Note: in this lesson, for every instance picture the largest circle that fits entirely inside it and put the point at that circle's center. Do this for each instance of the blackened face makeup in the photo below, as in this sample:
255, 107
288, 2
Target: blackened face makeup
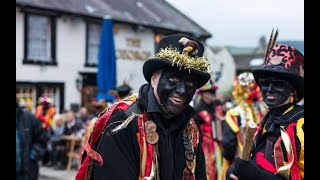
275, 91
175, 89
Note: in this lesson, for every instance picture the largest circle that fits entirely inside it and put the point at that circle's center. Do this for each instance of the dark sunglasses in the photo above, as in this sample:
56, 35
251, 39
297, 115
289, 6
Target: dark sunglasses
275, 83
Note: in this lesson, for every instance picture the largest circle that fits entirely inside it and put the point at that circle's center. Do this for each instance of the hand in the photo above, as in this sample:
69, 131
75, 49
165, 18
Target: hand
230, 174
249, 170
234, 177
246, 169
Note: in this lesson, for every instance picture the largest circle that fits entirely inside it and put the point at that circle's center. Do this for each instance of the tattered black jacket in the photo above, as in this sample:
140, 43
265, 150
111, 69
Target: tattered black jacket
121, 153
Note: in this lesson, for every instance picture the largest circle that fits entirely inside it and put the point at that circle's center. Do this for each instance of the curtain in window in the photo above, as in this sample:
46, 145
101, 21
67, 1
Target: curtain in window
94, 31
39, 38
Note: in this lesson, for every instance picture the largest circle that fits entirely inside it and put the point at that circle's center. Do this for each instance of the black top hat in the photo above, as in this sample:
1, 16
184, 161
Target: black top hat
123, 90
181, 52
286, 62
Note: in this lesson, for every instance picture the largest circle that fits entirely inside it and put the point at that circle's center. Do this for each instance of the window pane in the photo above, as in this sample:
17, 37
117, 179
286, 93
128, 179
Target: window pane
39, 38
26, 97
94, 31
54, 94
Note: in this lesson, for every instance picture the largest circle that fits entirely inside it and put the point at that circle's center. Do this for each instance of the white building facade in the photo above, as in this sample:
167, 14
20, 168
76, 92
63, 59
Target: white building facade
59, 80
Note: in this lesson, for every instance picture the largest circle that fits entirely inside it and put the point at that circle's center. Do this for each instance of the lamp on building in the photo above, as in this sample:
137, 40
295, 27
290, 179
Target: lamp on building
157, 38
79, 83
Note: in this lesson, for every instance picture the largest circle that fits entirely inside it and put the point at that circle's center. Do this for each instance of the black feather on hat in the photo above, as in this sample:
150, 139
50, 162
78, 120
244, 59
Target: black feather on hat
181, 52
283, 61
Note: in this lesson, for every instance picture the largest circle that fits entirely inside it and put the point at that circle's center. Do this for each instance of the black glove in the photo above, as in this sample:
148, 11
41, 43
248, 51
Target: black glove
230, 171
249, 170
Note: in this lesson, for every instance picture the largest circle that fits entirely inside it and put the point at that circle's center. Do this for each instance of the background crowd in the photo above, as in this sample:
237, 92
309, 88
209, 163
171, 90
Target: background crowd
54, 126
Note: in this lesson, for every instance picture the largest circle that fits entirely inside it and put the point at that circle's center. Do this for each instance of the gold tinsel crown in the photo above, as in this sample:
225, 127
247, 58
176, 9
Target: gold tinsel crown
183, 60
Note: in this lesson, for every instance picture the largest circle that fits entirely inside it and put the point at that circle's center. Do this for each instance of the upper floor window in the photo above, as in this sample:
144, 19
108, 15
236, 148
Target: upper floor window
157, 38
93, 41
39, 39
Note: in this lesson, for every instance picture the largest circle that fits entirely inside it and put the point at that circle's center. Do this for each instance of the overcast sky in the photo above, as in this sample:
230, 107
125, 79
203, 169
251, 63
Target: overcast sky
243, 22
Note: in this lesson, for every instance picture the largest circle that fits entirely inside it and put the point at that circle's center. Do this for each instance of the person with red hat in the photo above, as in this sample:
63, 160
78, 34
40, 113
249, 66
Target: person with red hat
209, 118
151, 134
278, 145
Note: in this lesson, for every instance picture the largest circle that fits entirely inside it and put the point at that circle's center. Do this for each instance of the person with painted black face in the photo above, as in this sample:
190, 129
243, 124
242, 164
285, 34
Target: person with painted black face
278, 146
152, 135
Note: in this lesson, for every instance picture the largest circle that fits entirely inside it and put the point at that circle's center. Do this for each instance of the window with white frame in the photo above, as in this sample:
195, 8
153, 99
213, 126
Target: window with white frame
39, 39
93, 40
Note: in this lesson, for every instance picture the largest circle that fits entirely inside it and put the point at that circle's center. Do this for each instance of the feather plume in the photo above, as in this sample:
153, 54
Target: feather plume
275, 38
271, 43
269, 46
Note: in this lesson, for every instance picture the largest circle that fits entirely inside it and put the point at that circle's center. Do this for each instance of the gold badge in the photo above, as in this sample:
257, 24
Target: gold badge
152, 137
187, 174
150, 126
275, 60
190, 165
189, 155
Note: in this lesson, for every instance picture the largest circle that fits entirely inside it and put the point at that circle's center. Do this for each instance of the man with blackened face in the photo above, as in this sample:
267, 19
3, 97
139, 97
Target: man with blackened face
173, 90
278, 146
276, 91
152, 134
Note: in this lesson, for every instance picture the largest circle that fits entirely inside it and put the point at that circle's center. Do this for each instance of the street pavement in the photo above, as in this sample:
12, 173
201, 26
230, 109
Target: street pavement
48, 173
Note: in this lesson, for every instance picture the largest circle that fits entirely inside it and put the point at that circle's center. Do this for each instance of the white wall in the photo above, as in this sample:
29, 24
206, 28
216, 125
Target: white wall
130, 69
19, 38
71, 49
70, 57
225, 82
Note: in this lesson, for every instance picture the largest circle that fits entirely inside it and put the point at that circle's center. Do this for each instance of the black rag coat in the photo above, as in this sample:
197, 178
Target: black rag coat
121, 153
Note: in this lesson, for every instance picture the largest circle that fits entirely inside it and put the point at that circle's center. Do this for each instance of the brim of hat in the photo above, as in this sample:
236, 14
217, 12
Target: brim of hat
154, 64
295, 79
